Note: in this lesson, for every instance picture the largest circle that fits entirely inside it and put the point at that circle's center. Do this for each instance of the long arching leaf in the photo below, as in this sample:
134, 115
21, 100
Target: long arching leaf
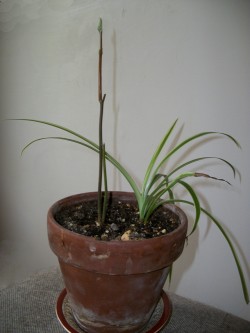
155, 156
65, 129
109, 157
183, 143
200, 159
229, 242
196, 204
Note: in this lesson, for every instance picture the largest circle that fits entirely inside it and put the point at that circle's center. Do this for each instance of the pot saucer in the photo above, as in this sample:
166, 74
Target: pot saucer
158, 320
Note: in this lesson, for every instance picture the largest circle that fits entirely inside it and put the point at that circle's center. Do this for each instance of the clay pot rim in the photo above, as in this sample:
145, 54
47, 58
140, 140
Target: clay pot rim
175, 209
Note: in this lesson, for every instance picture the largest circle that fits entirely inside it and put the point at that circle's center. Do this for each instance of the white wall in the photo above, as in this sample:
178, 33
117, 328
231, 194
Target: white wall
163, 59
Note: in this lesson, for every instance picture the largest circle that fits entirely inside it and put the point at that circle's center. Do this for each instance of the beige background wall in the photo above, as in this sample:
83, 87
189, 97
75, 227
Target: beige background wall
163, 59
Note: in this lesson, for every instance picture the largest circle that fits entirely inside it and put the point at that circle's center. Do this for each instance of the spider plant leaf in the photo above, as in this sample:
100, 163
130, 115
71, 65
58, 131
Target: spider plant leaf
196, 204
171, 194
105, 199
65, 129
60, 138
172, 183
109, 157
153, 201
154, 181
155, 156
237, 261
151, 206
127, 176
155, 196
199, 174
147, 206
200, 159
194, 137
230, 244
170, 274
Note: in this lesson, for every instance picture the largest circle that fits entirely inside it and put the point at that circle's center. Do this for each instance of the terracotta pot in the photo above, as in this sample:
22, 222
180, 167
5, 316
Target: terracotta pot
113, 286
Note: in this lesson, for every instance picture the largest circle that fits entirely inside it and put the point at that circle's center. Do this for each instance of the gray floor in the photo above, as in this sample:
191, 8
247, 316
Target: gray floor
29, 307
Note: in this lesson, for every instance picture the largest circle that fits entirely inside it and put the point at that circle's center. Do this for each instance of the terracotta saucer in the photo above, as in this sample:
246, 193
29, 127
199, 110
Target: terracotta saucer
158, 320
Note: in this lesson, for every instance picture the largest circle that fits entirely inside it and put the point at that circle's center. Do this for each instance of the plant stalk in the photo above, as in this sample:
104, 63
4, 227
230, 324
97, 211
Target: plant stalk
101, 99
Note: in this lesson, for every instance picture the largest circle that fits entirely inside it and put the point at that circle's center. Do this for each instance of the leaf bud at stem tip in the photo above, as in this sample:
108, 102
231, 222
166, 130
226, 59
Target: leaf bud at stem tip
99, 28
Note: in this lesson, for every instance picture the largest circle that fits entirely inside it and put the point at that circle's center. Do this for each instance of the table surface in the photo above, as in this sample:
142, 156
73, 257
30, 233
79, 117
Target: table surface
29, 307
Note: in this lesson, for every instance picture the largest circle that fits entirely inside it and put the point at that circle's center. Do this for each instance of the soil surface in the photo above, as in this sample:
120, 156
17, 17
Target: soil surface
122, 221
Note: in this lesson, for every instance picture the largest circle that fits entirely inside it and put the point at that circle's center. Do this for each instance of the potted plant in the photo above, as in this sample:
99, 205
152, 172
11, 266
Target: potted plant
116, 249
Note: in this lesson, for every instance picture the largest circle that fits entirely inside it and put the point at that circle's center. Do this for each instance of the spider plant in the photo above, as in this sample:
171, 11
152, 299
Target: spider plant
157, 188
156, 185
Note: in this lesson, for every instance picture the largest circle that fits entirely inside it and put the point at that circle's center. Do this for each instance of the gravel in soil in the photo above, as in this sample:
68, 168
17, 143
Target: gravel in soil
121, 223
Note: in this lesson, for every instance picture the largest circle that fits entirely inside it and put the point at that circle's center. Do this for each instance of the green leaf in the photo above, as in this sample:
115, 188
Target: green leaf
91, 145
233, 251
65, 129
183, 143
170, 274
105, 199
195, 201
60, 138
155, 197
154, 158
154, 181
200, 159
